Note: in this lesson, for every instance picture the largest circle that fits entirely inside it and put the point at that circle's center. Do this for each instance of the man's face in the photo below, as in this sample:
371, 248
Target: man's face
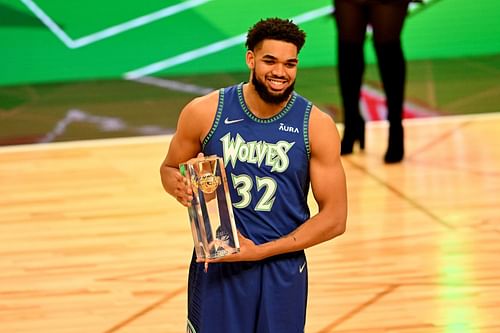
274, 68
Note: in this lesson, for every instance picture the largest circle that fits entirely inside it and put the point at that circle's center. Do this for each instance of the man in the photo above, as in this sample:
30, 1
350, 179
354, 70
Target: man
274, 143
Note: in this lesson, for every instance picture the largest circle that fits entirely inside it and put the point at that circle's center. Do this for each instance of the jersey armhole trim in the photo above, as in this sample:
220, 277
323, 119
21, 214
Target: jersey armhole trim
218, 115
307, 114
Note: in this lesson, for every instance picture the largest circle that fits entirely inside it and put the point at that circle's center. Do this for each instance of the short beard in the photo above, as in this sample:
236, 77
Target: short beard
267, 96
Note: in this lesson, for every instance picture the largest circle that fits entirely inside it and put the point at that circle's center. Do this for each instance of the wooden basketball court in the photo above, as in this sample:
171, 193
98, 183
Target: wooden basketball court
90, 243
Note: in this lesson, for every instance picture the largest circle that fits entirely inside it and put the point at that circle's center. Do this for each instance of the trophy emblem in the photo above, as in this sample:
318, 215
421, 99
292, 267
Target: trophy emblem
211, 215
208, 183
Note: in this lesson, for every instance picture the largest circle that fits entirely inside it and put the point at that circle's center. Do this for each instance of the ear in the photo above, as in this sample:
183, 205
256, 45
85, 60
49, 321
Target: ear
250, 59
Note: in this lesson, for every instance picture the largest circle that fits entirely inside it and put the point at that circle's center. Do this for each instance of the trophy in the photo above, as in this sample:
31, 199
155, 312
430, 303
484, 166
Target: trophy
211, 214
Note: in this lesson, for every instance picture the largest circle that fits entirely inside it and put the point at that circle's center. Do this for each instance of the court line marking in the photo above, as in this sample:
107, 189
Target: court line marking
403, 196
164, 138
113, 30
418, 111
141, 313
214, 47
470, 99
174, 85
107, 142
105, 123
389, 289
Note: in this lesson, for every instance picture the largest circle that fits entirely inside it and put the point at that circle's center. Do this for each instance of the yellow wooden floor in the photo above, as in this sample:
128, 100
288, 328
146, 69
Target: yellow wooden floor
89, 242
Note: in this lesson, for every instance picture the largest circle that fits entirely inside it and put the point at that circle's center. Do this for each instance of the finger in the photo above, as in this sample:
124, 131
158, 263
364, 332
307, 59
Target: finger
183, 185
184, 198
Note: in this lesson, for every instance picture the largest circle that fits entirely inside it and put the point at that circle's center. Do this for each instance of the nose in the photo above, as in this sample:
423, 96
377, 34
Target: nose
278, 70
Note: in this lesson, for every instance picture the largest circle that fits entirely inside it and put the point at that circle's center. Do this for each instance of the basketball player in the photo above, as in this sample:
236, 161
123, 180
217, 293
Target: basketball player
274, 143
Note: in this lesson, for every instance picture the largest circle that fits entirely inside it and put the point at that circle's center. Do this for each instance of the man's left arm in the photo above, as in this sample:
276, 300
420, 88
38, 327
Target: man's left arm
329, 189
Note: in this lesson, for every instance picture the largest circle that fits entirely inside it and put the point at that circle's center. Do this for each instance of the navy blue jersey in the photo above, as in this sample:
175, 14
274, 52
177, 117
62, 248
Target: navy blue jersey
267, 168
266, 161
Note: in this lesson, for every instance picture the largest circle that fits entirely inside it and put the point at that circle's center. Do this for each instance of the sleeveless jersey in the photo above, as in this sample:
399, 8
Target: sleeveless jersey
266, 162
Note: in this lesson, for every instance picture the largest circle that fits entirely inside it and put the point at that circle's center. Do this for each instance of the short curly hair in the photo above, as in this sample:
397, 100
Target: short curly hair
277, 29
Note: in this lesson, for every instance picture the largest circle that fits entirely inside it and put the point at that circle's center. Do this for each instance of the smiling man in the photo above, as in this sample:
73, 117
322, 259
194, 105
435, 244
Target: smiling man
275, 145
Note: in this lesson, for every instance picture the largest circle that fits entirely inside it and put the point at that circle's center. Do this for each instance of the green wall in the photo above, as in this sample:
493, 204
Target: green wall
31, 53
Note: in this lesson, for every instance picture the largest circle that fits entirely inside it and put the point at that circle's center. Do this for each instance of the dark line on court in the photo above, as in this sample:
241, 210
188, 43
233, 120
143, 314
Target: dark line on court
487, 225
358, 309
461, 168
144, 311
440, 138
404, 196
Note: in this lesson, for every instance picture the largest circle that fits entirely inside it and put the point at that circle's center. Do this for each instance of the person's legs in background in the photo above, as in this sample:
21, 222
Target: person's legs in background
351, 19
387, 22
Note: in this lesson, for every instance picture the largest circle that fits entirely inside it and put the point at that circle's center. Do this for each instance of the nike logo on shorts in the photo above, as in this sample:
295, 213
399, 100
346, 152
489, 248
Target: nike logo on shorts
301, 268
233, 121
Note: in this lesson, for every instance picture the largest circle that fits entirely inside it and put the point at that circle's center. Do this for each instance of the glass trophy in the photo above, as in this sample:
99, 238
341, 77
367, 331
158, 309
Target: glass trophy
211, 214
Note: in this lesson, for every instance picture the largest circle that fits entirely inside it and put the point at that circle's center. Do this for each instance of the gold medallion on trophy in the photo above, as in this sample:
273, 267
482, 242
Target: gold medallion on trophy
208, 182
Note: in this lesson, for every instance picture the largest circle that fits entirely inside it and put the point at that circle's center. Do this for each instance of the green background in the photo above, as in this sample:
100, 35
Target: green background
51, 92
31, 53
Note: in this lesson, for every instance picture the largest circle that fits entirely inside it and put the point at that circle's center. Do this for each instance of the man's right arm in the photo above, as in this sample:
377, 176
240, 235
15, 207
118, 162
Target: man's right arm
194, 122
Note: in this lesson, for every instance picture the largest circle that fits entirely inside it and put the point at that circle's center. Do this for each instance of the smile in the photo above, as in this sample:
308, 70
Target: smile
277, 84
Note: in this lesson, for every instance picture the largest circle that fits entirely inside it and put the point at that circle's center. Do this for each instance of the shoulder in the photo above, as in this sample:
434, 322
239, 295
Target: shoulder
323, 133
320, 120
202, 105
201, 108
197, 116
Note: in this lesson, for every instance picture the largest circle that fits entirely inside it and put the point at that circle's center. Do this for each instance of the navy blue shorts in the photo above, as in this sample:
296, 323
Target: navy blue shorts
249, 297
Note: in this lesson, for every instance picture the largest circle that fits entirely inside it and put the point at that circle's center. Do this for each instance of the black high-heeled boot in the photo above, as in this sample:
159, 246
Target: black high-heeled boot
351, 66
395, 150
392, 67
353, 134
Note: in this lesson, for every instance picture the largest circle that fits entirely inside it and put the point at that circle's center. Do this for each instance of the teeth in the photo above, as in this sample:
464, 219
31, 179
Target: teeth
277, 82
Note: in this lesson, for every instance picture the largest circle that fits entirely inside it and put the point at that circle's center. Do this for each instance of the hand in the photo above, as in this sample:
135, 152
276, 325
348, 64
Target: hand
182, 192
248, 252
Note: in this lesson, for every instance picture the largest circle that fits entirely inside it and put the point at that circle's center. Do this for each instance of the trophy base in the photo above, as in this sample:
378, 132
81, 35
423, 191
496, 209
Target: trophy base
219, 253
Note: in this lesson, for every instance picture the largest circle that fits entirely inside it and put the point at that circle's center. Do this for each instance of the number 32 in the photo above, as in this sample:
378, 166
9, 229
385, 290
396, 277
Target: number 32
243, 184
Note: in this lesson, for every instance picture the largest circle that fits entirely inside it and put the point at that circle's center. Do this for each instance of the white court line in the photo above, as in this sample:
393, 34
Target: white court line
174, 85
214, 47
185, 57
49, 23
111, 31
135, 140
164, 138
104, 123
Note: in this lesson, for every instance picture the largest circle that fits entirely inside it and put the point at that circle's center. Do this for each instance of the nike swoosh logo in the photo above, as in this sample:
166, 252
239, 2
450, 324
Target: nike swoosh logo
228, 122
301, 268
